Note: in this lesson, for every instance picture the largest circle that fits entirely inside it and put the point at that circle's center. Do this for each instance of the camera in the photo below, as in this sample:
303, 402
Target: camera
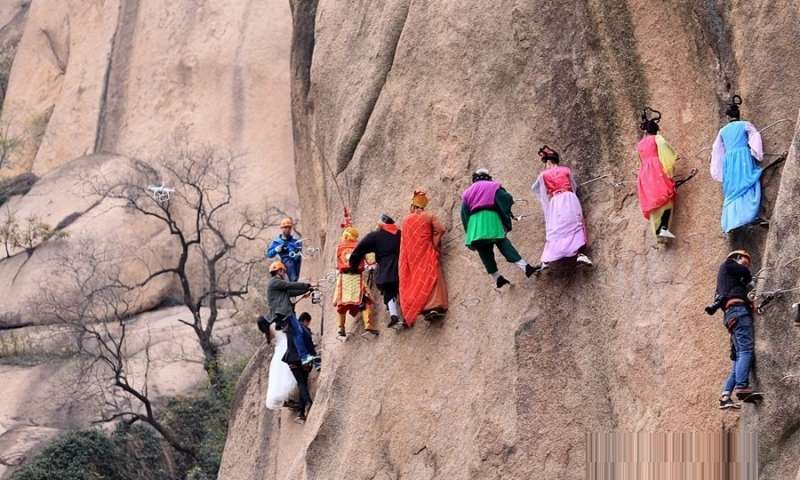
316, 297
715, 305
263, 324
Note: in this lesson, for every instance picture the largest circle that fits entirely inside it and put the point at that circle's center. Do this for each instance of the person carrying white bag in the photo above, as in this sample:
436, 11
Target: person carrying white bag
281, 384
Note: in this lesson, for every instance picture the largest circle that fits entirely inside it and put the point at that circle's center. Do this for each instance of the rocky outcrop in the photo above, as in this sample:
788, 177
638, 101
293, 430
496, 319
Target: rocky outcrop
95, 84
778, 340
397, 95
123, 78
64, 200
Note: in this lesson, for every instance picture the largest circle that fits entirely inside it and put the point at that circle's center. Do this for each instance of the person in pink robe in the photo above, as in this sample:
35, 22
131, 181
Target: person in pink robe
655, 186
563, 215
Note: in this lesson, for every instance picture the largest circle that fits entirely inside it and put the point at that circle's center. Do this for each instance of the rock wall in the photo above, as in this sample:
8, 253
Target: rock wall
95, 84
396, 95
778, 340
107, 81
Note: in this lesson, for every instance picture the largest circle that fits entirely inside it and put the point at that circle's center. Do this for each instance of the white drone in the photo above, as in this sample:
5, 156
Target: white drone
160, 193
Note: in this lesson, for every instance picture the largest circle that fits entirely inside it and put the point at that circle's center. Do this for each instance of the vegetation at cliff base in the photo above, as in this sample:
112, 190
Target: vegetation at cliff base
135, 452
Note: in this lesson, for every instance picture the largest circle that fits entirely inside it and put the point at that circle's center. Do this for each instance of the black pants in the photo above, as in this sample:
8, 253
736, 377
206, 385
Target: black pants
665, 220
485, 250
389, 291
301, 375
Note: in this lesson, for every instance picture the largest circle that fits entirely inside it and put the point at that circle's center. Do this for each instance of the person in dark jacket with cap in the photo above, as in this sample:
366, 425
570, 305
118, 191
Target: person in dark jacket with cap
384, 242
279, 299
734, 282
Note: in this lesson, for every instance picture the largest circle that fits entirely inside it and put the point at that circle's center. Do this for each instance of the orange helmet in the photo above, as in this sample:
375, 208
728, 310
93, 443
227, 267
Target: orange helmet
287, 222
742, 253
276, 265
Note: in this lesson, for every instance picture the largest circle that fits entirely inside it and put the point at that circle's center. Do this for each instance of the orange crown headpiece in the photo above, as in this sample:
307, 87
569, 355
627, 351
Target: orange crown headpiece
419, 199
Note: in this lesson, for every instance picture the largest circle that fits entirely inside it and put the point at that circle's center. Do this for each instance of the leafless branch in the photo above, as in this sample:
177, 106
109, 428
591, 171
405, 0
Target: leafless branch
210, 241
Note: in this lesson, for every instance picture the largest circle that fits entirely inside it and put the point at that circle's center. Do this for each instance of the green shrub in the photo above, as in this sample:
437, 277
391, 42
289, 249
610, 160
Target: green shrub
202, 421
81, 455
142, 450
136, 452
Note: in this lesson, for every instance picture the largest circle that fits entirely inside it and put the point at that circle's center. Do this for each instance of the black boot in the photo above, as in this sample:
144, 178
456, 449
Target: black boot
393, 321
529, 270
502, 282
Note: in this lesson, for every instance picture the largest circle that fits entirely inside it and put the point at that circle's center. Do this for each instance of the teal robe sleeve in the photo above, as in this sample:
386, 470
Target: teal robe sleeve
503, 202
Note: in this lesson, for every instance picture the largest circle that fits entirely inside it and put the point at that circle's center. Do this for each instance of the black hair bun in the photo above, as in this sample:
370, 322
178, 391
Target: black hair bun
650, 119
547, 154
733, 107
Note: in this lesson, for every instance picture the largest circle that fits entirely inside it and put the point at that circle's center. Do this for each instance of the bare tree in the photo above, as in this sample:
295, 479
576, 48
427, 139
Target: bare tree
27, 236
86, 295
190, 191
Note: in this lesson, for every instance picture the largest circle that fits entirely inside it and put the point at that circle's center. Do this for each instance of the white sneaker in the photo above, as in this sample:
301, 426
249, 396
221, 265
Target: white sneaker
584, 260
543, 266
664, 233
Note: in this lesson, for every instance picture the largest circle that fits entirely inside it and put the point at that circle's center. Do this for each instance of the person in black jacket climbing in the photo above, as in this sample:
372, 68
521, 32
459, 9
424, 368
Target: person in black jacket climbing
384, 242
300, 371
734, 282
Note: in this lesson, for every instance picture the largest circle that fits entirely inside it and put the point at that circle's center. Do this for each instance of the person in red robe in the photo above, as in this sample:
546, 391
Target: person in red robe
423, 289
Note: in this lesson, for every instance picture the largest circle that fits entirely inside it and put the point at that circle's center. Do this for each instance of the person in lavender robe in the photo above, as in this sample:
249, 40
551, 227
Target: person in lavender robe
736, 150
486, 216
563, 216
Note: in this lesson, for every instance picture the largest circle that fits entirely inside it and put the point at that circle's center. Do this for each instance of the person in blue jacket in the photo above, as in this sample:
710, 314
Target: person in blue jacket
289, 248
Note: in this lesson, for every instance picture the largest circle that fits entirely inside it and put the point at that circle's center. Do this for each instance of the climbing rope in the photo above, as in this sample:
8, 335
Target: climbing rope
333, 175
773, 124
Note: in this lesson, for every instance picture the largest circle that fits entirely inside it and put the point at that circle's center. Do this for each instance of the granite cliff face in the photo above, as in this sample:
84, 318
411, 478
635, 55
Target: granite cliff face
99, 83
92, 86
395, 95
400, 94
